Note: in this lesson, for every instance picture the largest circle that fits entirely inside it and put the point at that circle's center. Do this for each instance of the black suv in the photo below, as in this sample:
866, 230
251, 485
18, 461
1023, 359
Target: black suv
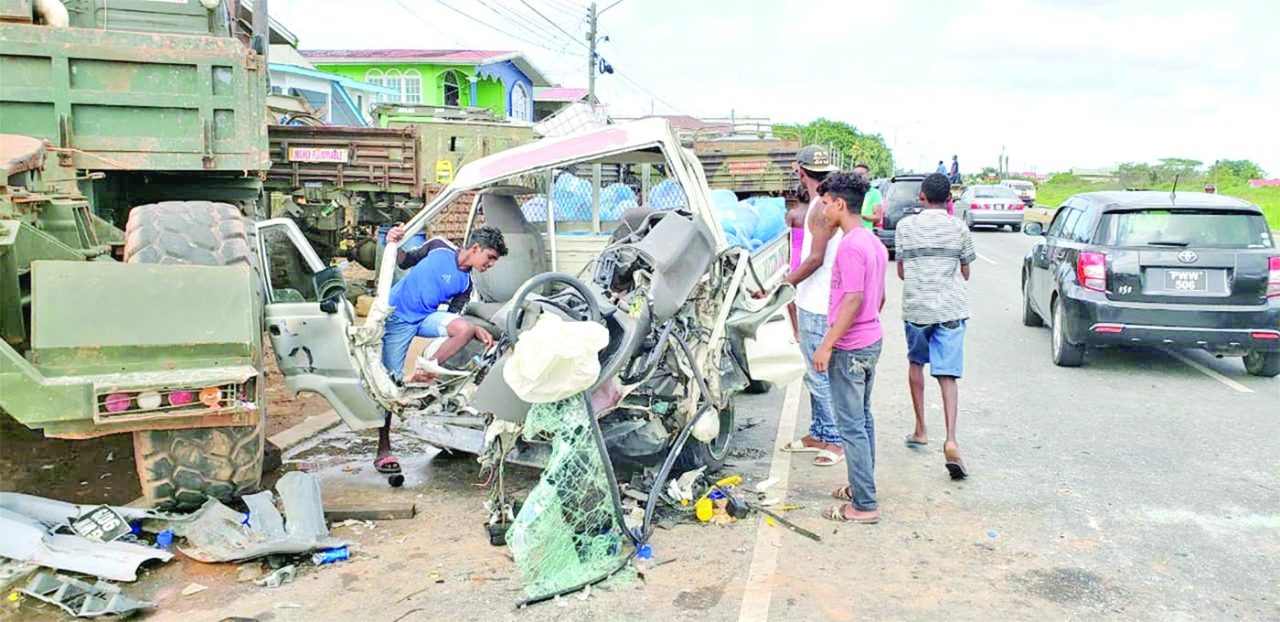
1147, 268
901, 199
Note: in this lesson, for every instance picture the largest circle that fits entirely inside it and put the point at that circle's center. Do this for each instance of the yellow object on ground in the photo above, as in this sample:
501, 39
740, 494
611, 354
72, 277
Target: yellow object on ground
704, 509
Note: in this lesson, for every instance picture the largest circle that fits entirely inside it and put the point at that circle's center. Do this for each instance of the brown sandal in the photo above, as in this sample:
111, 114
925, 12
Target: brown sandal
836, 513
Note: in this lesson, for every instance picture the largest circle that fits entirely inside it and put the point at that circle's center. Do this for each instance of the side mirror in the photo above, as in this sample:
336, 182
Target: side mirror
1033, 228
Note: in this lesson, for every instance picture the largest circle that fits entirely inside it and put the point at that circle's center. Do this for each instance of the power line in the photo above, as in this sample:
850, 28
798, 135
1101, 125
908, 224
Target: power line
488, 25
426, 23
525, 22
550, 21
576, 11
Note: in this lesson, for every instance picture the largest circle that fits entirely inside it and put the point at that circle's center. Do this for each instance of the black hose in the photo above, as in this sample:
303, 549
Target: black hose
646, 527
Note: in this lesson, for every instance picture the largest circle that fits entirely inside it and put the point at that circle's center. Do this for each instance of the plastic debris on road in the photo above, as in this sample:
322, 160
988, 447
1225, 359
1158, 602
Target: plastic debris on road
567, 531
216, 533
81, 599
27, 538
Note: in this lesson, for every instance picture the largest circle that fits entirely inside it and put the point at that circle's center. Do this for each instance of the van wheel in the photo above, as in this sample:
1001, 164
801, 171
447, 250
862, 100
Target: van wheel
1065, 353
179, 469
711, 455
1265, 364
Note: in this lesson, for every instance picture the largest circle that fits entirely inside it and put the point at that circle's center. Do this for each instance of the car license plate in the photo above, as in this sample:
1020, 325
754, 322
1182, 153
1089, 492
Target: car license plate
998, 207
1186, 280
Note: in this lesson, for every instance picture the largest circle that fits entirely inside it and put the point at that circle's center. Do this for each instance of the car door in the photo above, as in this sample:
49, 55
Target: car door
1062, 254
308, 319
1042, 255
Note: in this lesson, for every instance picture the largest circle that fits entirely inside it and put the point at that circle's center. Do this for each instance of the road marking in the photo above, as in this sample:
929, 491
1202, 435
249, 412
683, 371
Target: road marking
1196, 365
986, 259
758, 590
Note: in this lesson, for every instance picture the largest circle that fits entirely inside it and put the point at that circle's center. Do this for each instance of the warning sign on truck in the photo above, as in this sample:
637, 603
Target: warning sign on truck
319, 154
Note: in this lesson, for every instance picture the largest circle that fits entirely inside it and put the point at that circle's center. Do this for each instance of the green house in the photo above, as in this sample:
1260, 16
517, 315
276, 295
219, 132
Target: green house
502, 82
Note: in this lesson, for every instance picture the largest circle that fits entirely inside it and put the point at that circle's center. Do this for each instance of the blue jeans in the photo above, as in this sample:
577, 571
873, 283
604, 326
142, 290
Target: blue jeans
853, 372
813, 327
398, 334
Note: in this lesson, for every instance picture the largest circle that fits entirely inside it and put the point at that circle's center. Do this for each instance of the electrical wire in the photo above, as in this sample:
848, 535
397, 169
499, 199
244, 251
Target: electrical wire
525, 23
490, 26
552, 22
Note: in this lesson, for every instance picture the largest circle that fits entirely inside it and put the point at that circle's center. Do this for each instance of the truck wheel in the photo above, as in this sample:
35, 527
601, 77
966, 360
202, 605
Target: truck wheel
1265, 364
178, 469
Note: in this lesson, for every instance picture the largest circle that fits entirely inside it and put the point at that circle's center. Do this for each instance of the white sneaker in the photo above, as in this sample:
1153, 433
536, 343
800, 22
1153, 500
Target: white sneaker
430, 366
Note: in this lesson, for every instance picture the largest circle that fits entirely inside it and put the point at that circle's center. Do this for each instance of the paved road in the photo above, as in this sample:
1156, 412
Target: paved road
1143, 485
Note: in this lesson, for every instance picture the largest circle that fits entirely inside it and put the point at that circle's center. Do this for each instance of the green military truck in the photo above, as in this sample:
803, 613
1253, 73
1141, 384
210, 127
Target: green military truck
134, 282
342, 183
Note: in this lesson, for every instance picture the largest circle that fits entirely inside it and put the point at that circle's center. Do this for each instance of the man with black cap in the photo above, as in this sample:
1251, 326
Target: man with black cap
812, 280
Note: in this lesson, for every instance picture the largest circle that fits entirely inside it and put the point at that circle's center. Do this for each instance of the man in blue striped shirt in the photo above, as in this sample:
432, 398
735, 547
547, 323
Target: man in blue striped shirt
439, 276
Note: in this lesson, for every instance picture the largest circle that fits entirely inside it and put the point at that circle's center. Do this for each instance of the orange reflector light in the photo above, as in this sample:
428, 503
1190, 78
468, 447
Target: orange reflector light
211, 396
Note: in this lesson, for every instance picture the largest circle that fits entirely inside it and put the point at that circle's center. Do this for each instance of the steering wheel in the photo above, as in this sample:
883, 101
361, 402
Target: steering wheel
521, 299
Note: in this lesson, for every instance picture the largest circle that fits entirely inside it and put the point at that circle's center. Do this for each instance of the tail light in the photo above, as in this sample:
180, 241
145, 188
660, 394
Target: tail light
1091, 270
1019, 206
1273, 277
118, 402
181, 398
979, 206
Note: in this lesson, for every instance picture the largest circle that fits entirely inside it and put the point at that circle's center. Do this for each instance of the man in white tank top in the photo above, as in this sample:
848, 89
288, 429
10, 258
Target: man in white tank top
812, 280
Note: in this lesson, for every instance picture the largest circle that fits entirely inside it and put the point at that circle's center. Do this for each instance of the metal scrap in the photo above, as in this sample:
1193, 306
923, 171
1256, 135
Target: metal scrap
13, 572
28, 539
216, 533
81, 599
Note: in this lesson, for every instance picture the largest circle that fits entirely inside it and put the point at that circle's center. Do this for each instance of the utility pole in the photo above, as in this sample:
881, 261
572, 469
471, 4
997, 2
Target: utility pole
591, 58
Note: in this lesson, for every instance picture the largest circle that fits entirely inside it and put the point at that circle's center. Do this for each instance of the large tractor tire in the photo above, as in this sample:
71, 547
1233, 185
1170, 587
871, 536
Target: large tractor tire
179, 469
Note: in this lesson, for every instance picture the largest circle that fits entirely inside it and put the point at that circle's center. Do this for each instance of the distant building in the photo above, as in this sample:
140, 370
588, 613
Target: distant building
501, 81
334, 99
1095, 174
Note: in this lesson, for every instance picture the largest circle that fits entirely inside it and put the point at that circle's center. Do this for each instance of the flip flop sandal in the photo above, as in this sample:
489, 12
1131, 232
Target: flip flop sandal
836, 513
957, 470
955, 466
387, 465
828, 458
843, 493
911, 442
797, 446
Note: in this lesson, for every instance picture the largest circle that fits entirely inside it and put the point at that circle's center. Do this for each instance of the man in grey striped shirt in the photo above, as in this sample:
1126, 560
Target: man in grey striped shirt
934, 253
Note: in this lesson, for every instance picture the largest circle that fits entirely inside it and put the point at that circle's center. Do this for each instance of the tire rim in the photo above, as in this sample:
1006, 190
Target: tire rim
719, 446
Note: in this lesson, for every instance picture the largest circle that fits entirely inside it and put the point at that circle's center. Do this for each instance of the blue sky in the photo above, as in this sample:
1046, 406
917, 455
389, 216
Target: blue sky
1083, 83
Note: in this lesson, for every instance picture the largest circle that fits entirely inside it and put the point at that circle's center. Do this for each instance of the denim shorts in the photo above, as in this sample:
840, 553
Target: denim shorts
940, 346
398, 335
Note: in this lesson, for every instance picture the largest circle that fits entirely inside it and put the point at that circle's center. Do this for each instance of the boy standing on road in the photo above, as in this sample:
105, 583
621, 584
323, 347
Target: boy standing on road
439, 275
811, 278
851, 347
873, 205
934, 253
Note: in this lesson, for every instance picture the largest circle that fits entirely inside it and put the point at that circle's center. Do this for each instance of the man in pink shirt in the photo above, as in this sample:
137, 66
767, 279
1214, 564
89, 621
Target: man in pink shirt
851, 347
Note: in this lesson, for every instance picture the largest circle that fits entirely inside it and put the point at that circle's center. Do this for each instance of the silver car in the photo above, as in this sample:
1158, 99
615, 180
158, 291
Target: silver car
996, 206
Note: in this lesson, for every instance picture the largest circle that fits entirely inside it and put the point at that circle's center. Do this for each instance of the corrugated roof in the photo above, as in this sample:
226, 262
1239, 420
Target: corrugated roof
427, 56
435, 57
559, 94
332, 77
